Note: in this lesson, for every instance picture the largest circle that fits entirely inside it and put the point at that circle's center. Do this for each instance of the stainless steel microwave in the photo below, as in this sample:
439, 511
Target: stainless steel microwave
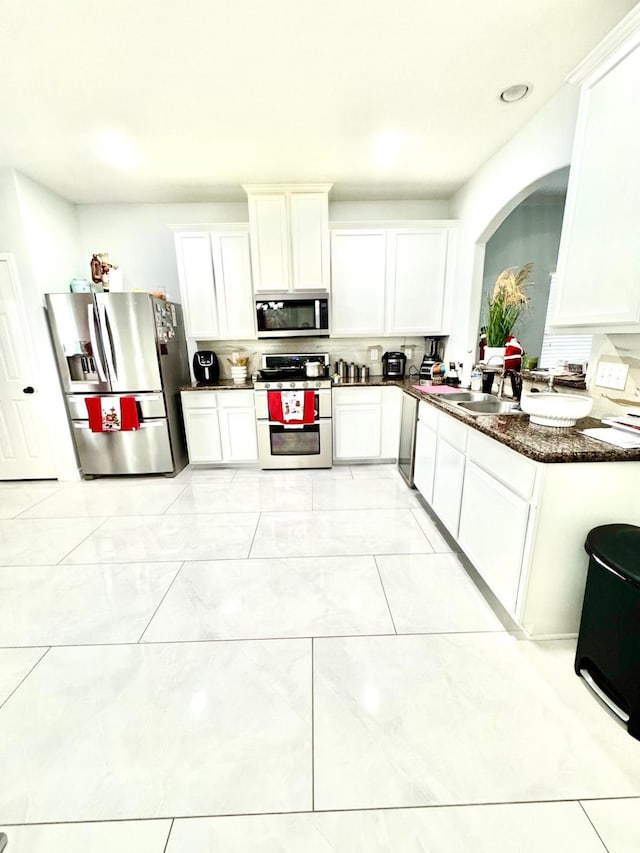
291, 315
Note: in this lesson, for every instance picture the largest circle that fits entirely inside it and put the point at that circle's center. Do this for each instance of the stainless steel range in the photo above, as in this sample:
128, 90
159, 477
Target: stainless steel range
293, 412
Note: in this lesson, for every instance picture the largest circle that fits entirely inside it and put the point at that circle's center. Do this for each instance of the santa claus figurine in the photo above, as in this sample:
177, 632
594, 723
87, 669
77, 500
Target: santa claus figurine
513, 353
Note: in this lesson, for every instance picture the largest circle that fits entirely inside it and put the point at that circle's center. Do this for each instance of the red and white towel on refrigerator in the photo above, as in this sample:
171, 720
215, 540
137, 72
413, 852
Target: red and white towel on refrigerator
112, 416
291, 407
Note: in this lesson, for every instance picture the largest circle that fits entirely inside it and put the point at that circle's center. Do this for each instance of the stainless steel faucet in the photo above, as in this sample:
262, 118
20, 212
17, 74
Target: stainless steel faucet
516, 384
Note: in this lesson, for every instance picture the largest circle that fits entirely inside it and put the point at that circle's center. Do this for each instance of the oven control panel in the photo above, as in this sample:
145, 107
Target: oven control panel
298, 384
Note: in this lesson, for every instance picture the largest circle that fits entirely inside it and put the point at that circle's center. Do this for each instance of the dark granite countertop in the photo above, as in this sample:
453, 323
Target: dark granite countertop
540, 443
221, 385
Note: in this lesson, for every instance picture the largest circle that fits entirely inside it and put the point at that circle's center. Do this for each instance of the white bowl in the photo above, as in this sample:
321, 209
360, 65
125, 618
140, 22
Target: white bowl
239, 373
555, 409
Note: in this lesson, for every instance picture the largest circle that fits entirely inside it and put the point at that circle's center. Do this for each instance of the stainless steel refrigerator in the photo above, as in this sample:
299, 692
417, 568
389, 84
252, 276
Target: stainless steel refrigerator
113, 345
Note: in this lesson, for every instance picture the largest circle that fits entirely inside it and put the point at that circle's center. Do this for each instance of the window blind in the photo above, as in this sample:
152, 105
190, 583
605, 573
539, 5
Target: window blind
574, 349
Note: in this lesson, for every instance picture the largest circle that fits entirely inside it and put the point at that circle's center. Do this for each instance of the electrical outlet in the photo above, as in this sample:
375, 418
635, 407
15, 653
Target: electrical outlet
612, 375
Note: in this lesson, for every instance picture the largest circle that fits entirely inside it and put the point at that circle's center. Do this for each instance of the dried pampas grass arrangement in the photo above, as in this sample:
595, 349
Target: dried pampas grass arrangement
507, 303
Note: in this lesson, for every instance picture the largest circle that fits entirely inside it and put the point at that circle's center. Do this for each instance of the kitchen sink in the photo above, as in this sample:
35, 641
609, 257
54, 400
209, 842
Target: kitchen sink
468, 396
491, 406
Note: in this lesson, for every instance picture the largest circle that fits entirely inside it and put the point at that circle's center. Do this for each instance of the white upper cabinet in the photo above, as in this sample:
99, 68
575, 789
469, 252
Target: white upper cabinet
598, 276
416, 275
269, 241
309, 240
214, 270
232, 272
197, 288
289, 237
390, 281
358, 260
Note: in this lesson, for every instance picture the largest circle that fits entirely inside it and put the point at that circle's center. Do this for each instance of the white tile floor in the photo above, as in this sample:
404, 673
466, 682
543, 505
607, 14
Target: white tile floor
281, 661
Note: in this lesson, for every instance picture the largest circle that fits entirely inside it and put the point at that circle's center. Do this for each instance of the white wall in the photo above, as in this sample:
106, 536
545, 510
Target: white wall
542, 146
530, 234
369, 211
52, 236
40, 230
138, 239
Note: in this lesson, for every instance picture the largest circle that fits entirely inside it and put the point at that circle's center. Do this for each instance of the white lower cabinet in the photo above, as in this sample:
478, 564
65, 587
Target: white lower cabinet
521, 523
366, 423
447, 484
220, 426
425, 460
200, 413
492, 533
448, 477
237, 414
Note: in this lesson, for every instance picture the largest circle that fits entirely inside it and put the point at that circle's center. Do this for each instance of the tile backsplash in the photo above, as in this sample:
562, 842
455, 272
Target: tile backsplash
357, 350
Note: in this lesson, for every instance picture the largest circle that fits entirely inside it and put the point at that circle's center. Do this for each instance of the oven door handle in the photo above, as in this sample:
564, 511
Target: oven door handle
291, 426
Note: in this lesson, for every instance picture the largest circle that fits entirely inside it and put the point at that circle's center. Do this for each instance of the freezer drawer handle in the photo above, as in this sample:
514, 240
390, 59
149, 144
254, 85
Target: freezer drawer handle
143, 425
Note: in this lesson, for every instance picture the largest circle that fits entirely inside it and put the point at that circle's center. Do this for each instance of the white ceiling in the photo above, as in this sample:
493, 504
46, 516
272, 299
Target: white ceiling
216, 93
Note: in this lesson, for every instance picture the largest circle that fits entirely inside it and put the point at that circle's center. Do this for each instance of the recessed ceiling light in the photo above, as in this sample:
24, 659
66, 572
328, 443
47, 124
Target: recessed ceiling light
514, 93
117, 149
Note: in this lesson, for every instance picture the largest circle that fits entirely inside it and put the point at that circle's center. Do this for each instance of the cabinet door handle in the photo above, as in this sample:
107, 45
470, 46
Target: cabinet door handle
28, 390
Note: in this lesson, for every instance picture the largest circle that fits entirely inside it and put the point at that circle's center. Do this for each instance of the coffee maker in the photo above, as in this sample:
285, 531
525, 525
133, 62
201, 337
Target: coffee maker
433, 354
206, 369
393, 365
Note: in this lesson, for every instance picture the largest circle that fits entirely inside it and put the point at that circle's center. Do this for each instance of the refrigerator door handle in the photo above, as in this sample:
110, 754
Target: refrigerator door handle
109, 348
95, 347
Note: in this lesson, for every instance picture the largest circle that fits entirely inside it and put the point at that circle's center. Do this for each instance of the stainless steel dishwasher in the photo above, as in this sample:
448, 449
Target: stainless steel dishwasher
406, 450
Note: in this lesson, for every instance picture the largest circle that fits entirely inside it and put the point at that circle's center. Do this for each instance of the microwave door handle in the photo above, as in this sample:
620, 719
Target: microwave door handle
95, 346
109, 349
317, 305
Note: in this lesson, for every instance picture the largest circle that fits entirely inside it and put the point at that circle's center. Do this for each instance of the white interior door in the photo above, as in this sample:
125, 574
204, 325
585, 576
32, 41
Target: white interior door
24, 447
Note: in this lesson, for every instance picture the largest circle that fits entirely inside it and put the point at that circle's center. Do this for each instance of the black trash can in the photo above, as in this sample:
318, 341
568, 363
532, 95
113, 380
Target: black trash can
608, 653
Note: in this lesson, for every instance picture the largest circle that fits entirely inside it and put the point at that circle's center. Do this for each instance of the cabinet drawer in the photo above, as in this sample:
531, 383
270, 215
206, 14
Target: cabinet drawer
428, 414
198, 400
360, 394
235, 399
515, 471
453, 431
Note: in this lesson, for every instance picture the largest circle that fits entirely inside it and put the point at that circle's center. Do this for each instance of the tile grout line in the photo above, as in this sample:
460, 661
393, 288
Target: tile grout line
77, 545
313, 732
253, 538
177, 497
355, 809
586, 814
22, 680
21, 515
175, 641
166, 844
384, 592
166, 593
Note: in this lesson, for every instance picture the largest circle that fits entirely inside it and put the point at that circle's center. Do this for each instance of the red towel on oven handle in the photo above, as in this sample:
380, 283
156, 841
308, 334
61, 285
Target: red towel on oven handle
274, 404
308, 416
128, 414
